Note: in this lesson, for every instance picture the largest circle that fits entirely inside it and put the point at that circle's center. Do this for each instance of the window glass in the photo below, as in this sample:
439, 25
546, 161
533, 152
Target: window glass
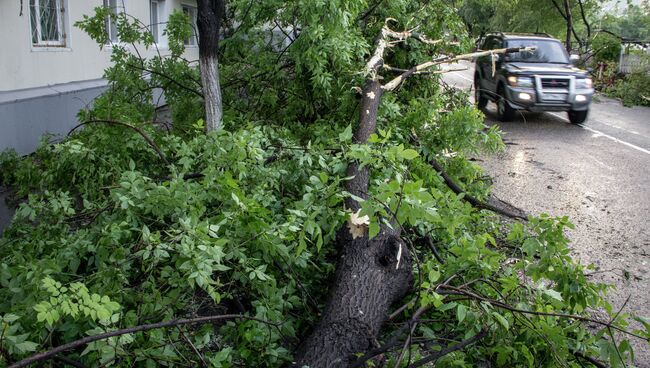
116, 7
154, 26
191, 12
547, 51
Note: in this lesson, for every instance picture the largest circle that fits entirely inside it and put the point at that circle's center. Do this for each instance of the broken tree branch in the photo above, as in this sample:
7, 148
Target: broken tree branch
88, 339
469, 198
447, 60
429, 72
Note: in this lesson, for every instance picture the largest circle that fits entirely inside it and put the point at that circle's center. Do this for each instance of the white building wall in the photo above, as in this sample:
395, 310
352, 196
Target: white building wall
24, 66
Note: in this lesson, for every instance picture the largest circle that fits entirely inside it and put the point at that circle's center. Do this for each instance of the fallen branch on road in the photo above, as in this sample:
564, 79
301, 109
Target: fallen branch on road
469, 198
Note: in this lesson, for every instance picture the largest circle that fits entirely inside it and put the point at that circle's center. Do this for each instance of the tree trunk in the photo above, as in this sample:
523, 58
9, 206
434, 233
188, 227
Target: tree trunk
370, 274
586, 22
209, 16
569, 24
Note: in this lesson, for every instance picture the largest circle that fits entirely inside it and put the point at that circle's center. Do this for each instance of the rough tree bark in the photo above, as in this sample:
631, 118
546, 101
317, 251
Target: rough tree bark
209, 16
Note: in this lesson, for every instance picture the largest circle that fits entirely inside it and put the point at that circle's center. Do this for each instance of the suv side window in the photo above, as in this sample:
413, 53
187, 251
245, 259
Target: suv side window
489, 40
497, 43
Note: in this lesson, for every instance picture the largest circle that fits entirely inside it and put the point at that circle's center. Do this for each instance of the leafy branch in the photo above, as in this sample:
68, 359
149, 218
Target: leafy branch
173, 323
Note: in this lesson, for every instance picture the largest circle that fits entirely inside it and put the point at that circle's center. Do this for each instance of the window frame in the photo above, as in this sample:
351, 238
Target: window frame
155, 25
193, 20
120, 7
61, 25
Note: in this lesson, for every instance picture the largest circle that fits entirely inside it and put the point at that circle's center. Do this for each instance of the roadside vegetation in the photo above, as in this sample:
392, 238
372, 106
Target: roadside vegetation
339, 183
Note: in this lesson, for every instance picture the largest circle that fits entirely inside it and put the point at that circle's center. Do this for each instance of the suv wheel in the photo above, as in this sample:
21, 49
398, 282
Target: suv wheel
504, 111
577, 117
479, 97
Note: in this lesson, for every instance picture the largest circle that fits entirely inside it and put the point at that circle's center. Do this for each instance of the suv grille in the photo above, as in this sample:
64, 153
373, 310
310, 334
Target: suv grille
555, 83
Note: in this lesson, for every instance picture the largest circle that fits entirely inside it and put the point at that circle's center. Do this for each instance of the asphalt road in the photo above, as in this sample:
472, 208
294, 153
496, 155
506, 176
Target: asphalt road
597, 173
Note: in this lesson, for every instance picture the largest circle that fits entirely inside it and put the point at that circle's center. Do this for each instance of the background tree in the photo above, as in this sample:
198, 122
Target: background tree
210, 15
555, 17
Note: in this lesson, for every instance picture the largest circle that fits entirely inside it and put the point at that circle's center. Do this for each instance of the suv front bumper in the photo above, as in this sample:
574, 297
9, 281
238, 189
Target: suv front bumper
538, 99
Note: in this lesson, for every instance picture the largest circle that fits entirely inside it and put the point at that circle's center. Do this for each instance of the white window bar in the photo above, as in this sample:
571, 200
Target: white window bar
46, 18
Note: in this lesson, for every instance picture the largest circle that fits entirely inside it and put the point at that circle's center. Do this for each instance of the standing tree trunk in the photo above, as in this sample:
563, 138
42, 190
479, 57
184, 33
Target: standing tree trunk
209, 16
569, 24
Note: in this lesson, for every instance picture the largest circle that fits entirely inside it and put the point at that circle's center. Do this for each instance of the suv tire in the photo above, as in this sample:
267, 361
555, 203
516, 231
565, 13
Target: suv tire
577, 117
479, 97
504, 111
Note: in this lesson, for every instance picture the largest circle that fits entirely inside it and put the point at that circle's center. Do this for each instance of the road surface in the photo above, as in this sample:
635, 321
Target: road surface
597, 173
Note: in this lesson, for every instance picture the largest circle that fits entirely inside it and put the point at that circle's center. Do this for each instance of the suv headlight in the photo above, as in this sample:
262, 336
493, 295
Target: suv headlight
584, 83
524, 82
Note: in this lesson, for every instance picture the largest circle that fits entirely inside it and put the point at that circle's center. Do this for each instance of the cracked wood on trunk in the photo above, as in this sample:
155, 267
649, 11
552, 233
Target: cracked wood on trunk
370, 274
209, 16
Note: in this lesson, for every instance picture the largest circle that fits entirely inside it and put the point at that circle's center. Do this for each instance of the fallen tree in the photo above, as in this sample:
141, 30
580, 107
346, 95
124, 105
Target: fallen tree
334, 220
371, 274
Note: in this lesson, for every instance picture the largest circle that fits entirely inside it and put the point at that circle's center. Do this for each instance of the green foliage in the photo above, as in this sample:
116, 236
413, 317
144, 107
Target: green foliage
483, 16
634, 88
244, 220
633, 23
606, 48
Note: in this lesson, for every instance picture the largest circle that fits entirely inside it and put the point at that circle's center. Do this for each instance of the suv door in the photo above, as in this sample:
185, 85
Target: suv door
482, 62
490, 78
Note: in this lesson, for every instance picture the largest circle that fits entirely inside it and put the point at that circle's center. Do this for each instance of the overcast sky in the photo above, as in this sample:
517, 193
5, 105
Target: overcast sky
617, 6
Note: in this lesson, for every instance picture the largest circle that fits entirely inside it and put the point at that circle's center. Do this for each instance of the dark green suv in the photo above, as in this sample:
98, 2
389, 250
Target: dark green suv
541, 80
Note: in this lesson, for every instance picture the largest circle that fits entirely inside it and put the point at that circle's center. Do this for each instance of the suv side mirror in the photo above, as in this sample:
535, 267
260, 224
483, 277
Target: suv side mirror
574, 58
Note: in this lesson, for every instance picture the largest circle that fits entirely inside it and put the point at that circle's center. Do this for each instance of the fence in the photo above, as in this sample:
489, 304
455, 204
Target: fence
629, 63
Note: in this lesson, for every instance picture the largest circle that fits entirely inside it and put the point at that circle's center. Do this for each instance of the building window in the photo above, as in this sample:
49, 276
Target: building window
191, 13
116, 7
155, 9
46, 17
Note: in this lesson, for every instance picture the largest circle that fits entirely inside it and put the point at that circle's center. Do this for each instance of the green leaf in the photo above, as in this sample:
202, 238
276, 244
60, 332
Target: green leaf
10, 318
408, 154
26, 346
553, 294
501, 319
346, 135
373, 229
461, 312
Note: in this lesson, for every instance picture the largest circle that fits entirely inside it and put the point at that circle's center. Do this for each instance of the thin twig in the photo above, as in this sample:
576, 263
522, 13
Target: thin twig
591, 360
196, 351
132, 127
450, 349
393, 341
499, 304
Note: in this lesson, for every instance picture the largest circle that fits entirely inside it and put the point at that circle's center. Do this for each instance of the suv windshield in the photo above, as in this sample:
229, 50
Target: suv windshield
547, 52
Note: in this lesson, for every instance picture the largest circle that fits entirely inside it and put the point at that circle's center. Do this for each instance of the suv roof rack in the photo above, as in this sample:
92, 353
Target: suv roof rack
505, 34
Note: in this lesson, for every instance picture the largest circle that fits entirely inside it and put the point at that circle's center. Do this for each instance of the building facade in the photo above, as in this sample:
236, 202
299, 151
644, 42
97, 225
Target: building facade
49, 69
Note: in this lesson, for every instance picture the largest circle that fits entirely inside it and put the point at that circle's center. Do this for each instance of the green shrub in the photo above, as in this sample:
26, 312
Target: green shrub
634, 88
606, 48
